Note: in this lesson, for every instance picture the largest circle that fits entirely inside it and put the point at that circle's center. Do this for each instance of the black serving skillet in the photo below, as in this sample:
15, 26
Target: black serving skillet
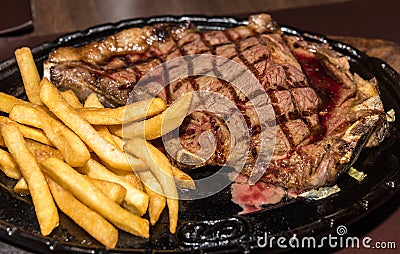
212, 224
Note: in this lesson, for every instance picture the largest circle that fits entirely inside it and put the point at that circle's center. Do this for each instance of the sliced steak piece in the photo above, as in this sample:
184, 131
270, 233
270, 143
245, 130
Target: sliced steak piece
324, 114
252, 197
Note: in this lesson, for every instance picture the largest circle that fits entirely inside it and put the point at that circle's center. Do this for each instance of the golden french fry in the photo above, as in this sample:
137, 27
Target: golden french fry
4, 119
29, 73
156, 161
118, 141
105, 133
66, 141
130, 177
144, 109
159, 125
90, 221
92, 101
106, 151
157, 200
28, 115
34, 134
46, 211
161, 168
29, 132
42, 151
21, 187
114, 191
132, 112
173, 213
71, 98
2, 141
88, 194
157, 204
8, 102
134, 198
8, 165
116, 130
183, 180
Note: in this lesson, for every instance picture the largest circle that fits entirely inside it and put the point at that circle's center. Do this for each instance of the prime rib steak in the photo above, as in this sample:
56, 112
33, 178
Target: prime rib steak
324, 114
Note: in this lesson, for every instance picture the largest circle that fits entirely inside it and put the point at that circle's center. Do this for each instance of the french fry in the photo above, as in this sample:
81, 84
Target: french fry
42, 151
157, 200
71, 98
29, 73
173, 212
183, 180
159, 125
66, 141
132, 112
46, 211
130, 177
134, 198
29, 132
21, 187
107, 152
114, 191
157, 162
87, 193
105, 133
2, 144
90, 221
8, 102
161, 168
118, 141
157, 204
34, 134
92, 101
9, 166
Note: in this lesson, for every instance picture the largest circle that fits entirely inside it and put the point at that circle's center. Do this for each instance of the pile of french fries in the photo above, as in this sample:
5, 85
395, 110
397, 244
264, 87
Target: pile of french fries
72, 156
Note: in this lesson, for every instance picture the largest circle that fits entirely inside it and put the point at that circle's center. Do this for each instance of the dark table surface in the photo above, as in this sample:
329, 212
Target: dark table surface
370, 25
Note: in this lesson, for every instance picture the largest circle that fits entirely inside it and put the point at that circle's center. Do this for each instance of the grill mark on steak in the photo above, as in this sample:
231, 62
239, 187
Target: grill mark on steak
210, 46
298, 113
190, 79
244, 60
313, 94
239, 54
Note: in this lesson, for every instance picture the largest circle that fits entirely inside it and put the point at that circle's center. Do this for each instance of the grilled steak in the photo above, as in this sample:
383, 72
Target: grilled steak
324, 114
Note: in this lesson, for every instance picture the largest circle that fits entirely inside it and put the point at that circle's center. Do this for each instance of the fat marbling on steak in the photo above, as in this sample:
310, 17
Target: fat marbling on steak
324, 114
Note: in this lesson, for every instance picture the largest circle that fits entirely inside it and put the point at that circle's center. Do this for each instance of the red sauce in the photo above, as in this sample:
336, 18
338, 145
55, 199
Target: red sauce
326, 86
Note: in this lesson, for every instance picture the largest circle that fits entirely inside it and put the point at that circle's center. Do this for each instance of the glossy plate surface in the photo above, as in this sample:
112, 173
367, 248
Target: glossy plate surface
212, 223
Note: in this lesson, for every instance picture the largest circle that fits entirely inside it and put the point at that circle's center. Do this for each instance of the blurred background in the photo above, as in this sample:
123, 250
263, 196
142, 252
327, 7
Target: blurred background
36, 21
370, 18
